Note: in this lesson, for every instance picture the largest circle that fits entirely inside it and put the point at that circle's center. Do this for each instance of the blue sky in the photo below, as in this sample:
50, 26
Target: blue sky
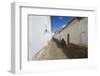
59, 21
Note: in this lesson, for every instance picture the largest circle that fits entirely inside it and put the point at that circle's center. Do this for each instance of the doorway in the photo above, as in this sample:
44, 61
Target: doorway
68, 39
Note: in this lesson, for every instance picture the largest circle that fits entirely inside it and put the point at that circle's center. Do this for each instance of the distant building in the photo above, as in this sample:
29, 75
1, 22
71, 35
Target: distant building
75, 32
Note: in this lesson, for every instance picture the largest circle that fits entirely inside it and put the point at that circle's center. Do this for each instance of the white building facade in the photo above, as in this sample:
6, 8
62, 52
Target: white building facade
75, 32
39, 33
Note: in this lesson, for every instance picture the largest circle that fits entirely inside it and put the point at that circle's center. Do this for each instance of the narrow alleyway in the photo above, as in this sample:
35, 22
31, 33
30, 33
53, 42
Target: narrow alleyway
73, 51
57, 50
52, 51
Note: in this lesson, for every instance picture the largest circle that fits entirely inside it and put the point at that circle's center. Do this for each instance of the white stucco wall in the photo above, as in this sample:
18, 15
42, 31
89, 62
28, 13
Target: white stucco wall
78, 32
74, 33
84, 31
37, 36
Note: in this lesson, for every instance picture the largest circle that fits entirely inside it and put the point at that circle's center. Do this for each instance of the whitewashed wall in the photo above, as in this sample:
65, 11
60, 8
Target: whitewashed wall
84, 31
37, 36
57, 36
77, 30
74, 32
